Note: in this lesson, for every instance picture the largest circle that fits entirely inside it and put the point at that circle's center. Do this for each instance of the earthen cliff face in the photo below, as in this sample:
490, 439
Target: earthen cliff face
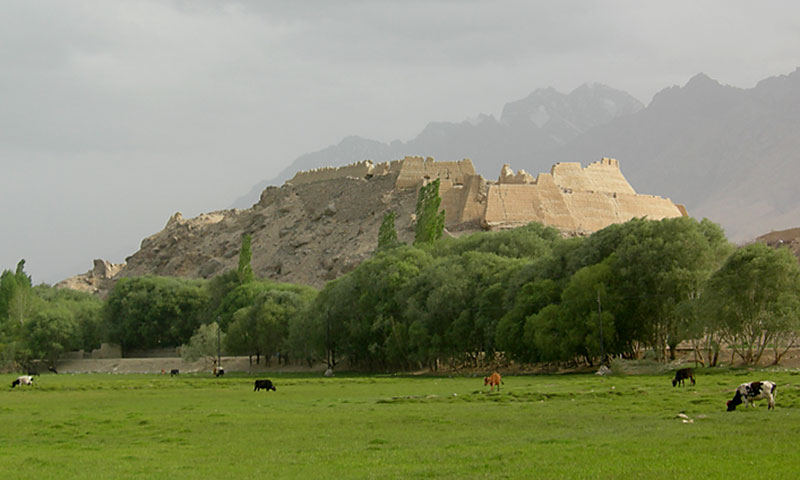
573, 199
322, 223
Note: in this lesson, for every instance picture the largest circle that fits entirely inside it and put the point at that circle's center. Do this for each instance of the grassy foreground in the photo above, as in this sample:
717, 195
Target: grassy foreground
564, 426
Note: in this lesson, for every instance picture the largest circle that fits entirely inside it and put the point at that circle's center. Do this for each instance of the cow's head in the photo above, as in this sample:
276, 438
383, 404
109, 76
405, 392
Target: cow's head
674, 382
737, 399
15, 383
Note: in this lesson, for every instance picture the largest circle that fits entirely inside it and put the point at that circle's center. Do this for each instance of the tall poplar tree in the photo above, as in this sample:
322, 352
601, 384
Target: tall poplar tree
245, 271
430, 221
387, 235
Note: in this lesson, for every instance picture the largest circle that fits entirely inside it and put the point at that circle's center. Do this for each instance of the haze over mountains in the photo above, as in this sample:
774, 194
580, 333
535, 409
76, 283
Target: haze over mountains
727, 153
527, 131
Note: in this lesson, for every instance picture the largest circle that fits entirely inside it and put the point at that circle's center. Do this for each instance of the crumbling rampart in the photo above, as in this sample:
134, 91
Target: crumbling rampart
571, 198
361, 169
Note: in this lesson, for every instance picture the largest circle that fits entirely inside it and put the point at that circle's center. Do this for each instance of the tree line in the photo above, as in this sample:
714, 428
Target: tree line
525, 295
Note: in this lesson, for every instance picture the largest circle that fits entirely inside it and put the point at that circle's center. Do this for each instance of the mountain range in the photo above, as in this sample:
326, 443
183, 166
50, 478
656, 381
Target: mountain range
726, 153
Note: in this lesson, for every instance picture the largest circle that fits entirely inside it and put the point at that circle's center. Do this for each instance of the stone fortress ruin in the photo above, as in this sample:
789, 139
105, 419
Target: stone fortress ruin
322, 223
571, 198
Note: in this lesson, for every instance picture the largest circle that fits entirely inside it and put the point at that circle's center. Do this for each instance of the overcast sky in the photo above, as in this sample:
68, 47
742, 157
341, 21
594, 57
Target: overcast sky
116, 114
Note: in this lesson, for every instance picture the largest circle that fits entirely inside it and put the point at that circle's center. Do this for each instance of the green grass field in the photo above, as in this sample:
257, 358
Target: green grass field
558, 426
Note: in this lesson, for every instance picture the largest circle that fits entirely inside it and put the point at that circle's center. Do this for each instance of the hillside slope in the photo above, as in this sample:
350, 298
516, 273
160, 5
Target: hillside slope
306, 234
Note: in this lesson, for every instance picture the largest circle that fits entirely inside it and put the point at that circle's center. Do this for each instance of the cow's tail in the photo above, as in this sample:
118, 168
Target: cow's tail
774, 390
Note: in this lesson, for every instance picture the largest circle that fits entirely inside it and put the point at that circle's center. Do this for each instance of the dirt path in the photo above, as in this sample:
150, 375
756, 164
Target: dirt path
156, 365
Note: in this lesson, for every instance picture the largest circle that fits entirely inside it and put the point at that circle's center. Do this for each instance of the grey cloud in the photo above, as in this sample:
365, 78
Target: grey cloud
199, 99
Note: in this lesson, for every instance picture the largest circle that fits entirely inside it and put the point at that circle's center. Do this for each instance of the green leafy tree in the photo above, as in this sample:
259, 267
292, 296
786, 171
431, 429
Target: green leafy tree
154, 312
529, 300
543, 334
86, 309
205, 343
51, 332
588, 308
321, 334
243, 335
754, 299
264, 313
305, 340
657, 266
217, 289
430, 221
17, 301
530, 242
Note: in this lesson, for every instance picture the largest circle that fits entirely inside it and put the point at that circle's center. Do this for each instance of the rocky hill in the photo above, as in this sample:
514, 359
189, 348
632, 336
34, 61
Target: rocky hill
324, 222
307, 233
785, 238
98, 280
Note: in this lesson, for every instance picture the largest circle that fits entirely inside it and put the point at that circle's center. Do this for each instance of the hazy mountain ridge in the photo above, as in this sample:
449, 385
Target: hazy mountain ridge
528, 128
727, 153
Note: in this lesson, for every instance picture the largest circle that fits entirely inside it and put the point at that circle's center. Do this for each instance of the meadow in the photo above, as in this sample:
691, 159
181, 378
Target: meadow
384, 426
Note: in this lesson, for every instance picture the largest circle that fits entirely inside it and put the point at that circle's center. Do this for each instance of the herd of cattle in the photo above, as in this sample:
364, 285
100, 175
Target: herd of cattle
746, 393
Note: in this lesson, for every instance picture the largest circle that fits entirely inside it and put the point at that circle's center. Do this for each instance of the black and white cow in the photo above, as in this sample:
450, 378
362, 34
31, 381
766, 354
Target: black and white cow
23, 380
265, 384
750, 392
682, 375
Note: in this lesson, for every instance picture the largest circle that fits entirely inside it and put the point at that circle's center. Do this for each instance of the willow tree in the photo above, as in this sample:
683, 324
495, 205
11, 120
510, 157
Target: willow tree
754, 300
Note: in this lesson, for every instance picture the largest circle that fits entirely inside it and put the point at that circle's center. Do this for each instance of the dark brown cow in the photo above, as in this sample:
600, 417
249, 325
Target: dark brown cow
682, 375
264, 384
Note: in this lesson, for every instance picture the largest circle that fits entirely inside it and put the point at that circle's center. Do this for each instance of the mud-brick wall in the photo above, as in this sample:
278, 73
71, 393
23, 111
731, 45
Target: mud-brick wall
605, 176
415, 169
650, 206
357, 170
463, 203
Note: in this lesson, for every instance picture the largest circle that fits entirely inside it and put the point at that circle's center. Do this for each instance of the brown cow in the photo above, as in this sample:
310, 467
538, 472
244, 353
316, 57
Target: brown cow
492, 380
682, 375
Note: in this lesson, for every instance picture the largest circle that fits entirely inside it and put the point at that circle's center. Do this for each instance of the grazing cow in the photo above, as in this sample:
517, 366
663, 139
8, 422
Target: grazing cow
492, 380
218, 372
174, 372
265, 384
682, 375
23, 380
750, 392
